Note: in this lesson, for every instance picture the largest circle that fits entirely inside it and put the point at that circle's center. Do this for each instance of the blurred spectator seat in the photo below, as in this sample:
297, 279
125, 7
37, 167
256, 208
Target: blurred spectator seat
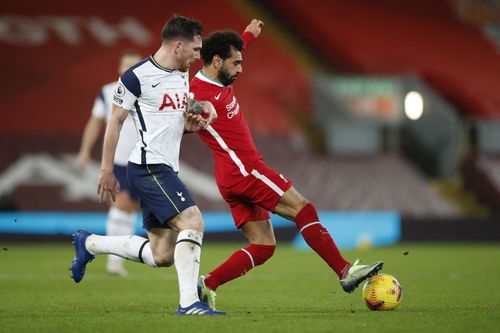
424, 37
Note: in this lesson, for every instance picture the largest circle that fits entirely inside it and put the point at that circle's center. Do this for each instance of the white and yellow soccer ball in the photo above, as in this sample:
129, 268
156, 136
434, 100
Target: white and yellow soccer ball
382, 292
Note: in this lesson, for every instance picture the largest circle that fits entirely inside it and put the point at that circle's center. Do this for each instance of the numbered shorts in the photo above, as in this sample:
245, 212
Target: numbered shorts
255, 195
163, 195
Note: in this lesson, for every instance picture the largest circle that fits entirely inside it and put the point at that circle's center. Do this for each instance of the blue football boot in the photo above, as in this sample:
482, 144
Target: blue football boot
198, 309
82, 256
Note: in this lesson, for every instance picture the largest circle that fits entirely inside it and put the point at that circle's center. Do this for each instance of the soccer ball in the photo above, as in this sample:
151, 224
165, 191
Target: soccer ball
382, 292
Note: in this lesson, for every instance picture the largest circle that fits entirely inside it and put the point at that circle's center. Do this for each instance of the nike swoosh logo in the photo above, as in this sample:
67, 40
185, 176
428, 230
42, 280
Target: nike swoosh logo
218, 96
154, 85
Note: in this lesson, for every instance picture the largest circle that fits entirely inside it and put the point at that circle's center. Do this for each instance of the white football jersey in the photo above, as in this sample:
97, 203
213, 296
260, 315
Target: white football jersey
156, 98
128, 135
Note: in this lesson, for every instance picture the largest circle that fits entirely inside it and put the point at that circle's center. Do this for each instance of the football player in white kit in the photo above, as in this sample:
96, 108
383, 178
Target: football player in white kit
155, 92
123, 212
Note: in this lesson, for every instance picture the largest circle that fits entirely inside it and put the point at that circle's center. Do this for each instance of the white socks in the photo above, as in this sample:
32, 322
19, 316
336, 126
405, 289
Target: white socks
133, 247
187, 257
119, 223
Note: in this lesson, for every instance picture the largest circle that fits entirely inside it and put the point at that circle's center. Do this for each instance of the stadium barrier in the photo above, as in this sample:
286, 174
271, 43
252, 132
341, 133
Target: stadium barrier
350, 229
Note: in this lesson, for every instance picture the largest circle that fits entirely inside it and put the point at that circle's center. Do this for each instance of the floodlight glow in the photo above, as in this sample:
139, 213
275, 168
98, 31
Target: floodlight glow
414, 105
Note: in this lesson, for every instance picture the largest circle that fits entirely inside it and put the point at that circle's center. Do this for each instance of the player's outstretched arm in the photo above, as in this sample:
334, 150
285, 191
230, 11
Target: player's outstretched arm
108, 186
255, 27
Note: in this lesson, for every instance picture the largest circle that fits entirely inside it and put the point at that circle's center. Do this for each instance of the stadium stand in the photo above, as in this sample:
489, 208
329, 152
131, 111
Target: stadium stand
389, 36
79, 47
482, 174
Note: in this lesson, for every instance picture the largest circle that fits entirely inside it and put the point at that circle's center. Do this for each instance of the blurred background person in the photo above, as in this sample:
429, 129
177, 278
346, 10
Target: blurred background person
123, 212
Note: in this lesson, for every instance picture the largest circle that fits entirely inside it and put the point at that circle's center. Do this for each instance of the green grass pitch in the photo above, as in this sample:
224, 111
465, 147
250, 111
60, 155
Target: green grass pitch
446, 288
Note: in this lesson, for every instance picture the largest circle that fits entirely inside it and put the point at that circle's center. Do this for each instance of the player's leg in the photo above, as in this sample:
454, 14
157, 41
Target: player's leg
294, 206
161, 246
171, 203
187, 258
87, 246
121, 218
120, 222
277, 194
187, 253
260, 235
130, 247
244, 199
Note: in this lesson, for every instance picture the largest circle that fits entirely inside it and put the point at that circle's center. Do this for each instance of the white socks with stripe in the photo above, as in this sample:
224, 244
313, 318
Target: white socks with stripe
119, 223
187, 257
133, 247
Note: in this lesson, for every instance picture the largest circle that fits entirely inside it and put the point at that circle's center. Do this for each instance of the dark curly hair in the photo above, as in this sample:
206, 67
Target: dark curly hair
220, 43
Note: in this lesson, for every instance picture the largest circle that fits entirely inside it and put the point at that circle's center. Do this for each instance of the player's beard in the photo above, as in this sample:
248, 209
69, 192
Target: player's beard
224, 77
184, 67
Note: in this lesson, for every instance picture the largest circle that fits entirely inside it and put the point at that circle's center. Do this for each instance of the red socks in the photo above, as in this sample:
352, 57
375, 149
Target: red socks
238, 264
243, 260
319, 239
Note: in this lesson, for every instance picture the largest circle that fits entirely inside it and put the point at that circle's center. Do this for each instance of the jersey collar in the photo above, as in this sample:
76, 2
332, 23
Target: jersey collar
153, 61
205, 78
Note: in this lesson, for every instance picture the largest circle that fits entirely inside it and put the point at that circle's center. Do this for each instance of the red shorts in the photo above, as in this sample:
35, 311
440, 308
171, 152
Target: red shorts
255, 195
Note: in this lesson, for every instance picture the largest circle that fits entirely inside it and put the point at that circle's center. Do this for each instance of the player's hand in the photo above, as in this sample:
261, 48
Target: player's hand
209, 112
255, 27
193, 122
199, 115
107, 186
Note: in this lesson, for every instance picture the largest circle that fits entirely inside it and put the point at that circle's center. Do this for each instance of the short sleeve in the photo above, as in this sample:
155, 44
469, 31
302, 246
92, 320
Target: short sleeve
99, 108
127, 90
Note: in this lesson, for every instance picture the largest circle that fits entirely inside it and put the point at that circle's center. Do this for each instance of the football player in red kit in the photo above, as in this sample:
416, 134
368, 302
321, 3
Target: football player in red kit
247, 184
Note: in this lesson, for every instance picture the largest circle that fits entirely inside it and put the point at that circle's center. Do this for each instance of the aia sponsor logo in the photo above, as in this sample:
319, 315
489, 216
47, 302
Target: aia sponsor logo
174, 102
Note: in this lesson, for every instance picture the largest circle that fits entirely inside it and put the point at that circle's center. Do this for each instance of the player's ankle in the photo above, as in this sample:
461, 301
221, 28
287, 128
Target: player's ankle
345, 270
211, 282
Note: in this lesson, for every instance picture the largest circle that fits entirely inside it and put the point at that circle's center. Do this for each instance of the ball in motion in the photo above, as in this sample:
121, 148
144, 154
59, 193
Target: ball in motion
382, 292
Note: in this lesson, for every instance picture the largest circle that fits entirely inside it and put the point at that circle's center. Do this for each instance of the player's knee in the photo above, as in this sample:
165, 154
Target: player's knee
303, 204
190, 219
165, 259
306, 215
262, 238
261, 253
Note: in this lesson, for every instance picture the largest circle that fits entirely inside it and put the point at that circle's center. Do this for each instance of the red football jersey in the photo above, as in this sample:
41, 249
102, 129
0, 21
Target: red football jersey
228, 137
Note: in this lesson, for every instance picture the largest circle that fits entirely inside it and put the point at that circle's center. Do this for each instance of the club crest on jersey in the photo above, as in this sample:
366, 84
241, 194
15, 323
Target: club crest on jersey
232, 108
174, 102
